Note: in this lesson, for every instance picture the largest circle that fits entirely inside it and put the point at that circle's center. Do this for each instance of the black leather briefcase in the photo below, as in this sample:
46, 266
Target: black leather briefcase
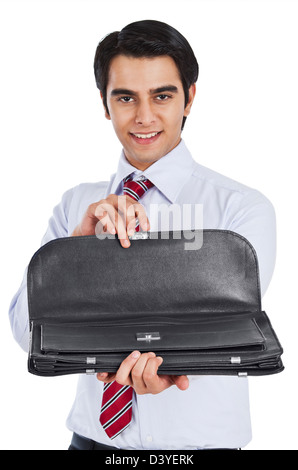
92, 302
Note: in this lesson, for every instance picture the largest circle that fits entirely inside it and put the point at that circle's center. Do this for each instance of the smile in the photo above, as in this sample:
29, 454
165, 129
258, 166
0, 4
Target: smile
145, 139
146, 136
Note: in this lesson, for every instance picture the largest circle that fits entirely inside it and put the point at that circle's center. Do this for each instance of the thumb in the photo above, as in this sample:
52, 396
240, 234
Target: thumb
181, 381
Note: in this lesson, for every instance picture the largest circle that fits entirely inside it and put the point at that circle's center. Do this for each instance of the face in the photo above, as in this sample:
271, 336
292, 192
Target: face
146, 105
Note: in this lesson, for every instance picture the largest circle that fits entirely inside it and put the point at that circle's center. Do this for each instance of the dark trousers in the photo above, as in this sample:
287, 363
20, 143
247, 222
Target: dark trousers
82, 443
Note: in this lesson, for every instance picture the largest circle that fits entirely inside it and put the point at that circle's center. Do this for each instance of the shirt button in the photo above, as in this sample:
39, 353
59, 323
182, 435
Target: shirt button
149, 438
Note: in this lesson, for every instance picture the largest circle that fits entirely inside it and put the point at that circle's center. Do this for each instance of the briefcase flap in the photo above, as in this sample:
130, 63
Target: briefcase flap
218, 334
88, 279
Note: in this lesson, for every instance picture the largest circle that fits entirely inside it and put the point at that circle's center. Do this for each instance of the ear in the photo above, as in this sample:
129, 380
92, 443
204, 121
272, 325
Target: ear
192, 94
107, 115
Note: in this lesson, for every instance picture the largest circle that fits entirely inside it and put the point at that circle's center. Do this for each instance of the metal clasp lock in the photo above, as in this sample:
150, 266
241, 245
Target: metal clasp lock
139, 236
91, 360
235, 360
148, 337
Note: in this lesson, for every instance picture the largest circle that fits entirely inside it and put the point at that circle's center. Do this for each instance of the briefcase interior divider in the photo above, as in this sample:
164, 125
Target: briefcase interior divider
92, 302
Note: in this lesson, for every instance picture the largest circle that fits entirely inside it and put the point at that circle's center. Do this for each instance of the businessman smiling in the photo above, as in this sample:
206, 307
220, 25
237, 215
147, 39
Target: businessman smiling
147, 75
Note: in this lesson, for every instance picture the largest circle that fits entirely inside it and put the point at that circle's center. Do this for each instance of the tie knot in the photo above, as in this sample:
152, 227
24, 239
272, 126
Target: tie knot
136, 189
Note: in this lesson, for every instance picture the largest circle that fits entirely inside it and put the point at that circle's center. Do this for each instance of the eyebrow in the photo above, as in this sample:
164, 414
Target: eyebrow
152, 91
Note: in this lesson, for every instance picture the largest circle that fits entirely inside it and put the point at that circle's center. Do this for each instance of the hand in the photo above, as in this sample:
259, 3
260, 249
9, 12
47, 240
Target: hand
115, 214
140, 371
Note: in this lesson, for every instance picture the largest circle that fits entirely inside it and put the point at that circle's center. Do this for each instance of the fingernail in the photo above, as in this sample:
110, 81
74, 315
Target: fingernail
135, 354
125, 243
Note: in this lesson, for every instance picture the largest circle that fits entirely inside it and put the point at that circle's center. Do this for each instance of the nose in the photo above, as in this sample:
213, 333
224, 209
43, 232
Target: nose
145, 114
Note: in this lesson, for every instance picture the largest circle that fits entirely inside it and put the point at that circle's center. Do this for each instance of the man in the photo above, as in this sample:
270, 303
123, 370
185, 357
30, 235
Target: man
146, 75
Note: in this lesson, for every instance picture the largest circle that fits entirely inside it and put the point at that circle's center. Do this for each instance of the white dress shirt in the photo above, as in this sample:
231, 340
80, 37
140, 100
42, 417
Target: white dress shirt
214, 411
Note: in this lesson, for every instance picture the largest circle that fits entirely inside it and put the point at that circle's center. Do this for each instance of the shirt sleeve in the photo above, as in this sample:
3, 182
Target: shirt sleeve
256, 221
18, 310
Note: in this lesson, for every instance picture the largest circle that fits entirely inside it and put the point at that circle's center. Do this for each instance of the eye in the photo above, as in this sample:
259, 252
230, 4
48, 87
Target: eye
163, 97
126, 99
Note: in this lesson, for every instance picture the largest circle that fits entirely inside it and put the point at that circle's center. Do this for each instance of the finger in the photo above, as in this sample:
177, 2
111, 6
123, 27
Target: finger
88, 223
142, 217
112, 220
105, 214
131, 228
156, 383
133, 210
121, 231
101, 208
150, 377
138, 371
124, 371
121, 220
181, 381
105, 377
127, 207
105, 225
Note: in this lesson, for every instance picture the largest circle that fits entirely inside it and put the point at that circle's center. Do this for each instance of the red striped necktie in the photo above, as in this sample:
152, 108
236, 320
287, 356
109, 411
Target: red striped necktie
136, 189
116, 407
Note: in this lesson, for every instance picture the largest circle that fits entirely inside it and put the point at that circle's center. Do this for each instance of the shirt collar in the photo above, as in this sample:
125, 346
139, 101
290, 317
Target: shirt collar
168, 174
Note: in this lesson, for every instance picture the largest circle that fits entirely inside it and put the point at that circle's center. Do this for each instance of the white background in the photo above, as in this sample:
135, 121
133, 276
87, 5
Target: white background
54, 136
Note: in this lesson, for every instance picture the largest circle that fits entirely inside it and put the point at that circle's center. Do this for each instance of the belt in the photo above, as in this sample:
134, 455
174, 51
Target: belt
83, 443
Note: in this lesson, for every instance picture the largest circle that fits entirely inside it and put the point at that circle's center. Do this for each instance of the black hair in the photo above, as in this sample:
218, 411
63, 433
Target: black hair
148, 38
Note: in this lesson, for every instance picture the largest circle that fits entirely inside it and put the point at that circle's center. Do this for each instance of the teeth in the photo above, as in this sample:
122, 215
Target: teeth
146, 136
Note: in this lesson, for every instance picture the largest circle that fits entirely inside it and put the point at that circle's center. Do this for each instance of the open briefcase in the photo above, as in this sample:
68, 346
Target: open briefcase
92, 302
